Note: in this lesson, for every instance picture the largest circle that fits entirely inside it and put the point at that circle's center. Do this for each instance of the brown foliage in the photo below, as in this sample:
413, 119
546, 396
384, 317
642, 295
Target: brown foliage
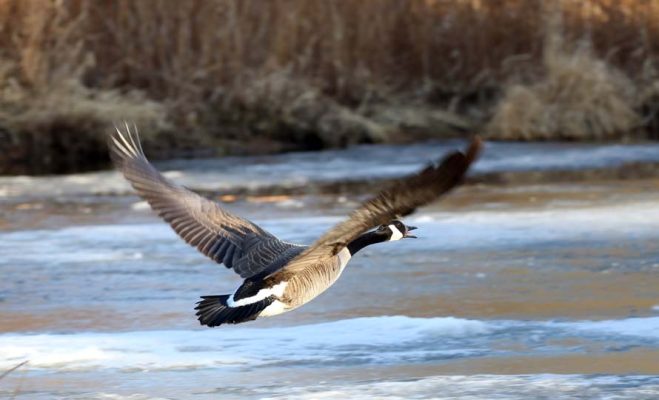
202, 63
579, 98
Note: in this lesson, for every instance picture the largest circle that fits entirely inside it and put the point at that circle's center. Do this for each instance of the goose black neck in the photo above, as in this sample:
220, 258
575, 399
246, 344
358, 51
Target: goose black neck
364, 240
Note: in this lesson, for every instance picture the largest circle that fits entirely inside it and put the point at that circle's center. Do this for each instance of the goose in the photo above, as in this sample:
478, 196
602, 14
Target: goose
278, 276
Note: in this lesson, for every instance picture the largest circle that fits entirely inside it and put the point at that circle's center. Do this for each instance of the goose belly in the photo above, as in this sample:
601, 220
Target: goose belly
276, 308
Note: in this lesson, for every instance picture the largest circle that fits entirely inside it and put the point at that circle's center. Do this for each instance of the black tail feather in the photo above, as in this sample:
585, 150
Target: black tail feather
214, 311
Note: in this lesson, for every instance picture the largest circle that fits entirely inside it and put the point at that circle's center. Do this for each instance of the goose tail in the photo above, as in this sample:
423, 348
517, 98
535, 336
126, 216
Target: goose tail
214, 311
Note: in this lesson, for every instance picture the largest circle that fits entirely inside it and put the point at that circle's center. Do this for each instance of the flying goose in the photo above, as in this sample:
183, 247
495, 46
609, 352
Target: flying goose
278, 276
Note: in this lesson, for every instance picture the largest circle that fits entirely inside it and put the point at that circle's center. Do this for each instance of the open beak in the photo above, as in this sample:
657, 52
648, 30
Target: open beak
410, 228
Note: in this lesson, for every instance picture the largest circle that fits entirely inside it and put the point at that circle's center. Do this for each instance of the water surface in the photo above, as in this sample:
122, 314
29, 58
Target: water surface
514, 291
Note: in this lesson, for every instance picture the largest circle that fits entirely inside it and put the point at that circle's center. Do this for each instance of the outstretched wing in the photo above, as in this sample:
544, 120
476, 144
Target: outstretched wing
401, 198
202, 223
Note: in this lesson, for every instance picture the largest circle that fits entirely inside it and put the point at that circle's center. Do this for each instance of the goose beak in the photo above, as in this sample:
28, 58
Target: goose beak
407, 235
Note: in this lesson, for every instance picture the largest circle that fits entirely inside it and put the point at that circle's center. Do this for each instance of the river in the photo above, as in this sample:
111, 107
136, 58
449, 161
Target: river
516, 288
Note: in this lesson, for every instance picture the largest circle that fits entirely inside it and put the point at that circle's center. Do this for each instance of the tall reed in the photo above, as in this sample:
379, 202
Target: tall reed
201, 64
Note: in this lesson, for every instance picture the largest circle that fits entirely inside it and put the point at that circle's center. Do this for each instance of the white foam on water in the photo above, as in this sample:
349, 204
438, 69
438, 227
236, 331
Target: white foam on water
140, 206
478, 229
481, 387
360, 162
63, 185
359, 341
557, 156
113, 396
366, 340
503, 228
631, 220
83, 243
641, 327
439, 387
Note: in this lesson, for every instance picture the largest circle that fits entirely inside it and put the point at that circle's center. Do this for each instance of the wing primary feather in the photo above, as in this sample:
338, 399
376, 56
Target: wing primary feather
130, 148
222, 250
400, 198
199, 221
194, 240
228, 256
212, 252
136, 140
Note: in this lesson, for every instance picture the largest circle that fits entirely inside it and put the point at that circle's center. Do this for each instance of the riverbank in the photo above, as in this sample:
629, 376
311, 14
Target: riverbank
337, 178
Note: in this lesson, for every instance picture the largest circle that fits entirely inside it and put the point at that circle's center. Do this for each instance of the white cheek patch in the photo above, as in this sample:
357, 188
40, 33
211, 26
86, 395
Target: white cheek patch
396, 235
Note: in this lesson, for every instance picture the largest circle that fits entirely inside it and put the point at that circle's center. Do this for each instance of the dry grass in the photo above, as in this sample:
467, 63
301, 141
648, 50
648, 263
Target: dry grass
577, 95
579, 98
317, 73
50, 121
283, 108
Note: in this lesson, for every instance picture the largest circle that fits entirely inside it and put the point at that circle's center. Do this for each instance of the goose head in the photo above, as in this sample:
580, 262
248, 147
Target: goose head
396, 230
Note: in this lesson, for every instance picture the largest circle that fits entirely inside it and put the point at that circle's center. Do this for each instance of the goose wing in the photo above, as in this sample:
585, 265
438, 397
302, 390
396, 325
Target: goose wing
399, 199
225, 238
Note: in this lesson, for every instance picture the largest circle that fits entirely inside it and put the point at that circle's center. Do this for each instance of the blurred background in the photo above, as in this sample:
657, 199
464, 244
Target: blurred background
207, 78
537, 278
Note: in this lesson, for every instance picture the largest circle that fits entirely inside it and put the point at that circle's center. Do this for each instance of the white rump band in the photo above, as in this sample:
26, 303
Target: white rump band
276, 290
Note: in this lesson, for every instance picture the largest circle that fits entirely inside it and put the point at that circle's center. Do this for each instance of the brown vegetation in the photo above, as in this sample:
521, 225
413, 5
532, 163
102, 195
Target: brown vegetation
579, 98
249, 75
